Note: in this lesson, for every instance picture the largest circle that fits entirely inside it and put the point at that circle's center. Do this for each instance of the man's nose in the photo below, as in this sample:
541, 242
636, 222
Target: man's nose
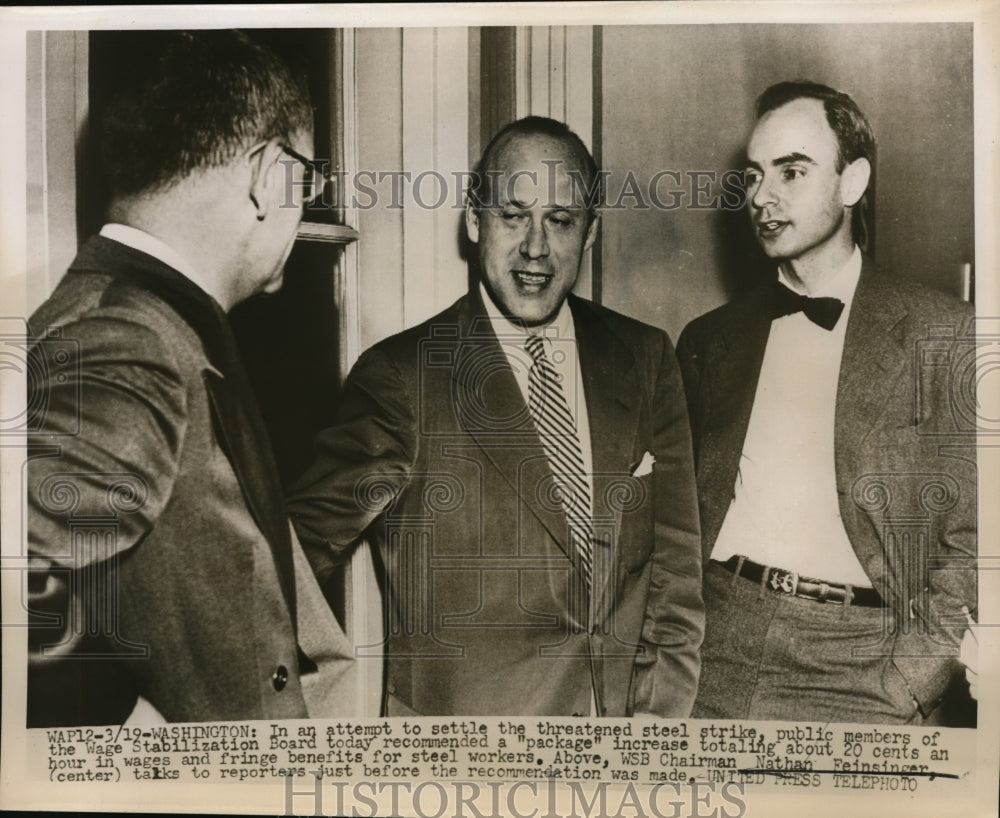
763, 194
536, 242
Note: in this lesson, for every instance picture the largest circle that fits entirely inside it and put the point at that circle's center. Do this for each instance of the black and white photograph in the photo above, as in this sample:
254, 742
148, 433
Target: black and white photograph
567, 409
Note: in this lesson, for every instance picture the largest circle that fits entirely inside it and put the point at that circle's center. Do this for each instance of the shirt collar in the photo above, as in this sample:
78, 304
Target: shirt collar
560, 327
840, 286
150, 245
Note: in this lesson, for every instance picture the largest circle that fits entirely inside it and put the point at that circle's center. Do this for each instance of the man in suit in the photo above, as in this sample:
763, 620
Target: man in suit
836, 476
522, 463
165, 581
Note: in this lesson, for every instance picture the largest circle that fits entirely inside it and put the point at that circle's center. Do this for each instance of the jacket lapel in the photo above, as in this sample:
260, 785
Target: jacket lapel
607, 367
493, 413
874, 356
735, 357
242, 436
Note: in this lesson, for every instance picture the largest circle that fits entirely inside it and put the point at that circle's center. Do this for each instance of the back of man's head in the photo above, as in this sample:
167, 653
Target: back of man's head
190, 101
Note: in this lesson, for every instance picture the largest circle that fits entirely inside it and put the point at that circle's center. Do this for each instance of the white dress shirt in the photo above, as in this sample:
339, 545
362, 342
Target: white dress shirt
560, 347
786, 512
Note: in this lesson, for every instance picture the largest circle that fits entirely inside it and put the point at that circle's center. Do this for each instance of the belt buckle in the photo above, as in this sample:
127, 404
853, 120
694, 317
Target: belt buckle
785, 582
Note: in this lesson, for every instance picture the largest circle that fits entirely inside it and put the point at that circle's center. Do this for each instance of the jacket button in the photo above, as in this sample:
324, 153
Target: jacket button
280, 678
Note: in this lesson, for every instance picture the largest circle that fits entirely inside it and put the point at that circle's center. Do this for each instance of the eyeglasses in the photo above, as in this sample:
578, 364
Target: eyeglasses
316, 175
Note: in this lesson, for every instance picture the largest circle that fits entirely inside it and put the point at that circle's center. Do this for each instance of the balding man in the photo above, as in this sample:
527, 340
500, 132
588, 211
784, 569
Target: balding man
522, 462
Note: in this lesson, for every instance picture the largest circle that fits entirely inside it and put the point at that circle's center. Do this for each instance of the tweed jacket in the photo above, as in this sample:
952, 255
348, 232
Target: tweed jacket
163, 563
905, 454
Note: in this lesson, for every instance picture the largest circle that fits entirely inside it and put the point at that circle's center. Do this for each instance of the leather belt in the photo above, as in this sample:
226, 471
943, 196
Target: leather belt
788, 582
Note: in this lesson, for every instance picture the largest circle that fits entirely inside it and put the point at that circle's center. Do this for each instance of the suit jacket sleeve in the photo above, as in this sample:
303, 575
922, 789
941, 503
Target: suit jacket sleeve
931, 628
362, 462
108, 441
667, 671
926, 649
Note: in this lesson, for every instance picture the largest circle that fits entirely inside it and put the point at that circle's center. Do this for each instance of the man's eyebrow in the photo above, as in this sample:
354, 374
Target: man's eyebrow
789, 158
517, 203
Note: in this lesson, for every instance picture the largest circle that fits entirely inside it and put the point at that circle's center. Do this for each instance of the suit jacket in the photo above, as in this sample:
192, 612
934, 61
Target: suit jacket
435, 453
163, 564
904, 442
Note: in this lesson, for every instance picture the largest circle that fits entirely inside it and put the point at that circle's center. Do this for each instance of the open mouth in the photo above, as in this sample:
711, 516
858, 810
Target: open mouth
531, 281
770, 228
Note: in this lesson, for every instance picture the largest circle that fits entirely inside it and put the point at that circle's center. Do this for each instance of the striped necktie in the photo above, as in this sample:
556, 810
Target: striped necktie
557, 430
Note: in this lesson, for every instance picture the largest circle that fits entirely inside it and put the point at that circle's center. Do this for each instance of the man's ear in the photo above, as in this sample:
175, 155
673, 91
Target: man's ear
265, 176
854, 181
592, 232
472, 223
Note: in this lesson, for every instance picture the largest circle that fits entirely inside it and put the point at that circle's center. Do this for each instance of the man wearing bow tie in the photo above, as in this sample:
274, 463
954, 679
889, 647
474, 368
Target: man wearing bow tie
522, 463
837, 492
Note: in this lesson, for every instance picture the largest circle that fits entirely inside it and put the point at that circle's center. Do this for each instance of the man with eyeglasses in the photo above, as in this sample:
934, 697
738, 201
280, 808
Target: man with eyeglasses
836, 473
315, 175
165, 580
522, 464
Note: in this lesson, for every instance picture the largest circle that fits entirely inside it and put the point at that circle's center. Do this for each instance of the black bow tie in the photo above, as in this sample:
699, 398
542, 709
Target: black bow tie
824, 312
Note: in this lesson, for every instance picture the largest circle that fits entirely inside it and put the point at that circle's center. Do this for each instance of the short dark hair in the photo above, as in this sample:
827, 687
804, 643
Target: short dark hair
855, 139
479, 193
192, 100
